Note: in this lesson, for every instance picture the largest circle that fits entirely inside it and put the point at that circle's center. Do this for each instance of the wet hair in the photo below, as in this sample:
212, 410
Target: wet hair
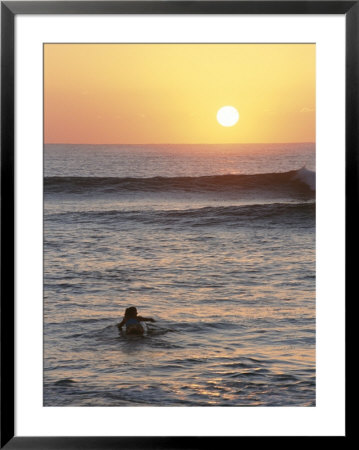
131, 312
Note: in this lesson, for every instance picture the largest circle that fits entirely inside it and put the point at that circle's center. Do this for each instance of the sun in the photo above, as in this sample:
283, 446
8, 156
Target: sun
227, 116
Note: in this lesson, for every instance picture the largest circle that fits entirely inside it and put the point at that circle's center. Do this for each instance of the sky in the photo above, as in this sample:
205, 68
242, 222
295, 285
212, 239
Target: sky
171, 93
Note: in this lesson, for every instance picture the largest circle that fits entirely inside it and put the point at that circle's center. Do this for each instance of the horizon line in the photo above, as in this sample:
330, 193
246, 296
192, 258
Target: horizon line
181, 143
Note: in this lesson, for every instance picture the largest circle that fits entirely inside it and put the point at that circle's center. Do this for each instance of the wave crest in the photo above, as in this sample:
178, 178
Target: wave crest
302, 180
275, 213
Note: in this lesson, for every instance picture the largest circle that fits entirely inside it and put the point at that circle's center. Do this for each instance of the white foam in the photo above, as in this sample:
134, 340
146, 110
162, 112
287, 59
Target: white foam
307, 176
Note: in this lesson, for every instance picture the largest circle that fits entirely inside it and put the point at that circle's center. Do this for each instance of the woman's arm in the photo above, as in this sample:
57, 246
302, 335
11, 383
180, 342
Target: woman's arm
145, 319
121, 324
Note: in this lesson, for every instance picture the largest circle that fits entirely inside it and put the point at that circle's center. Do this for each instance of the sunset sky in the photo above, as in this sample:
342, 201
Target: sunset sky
171, 93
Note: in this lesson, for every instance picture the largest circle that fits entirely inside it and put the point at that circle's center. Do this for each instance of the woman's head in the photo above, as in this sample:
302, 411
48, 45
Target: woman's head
131, 312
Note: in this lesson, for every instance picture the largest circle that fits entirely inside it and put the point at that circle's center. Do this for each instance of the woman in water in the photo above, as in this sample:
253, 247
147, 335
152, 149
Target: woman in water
133, 321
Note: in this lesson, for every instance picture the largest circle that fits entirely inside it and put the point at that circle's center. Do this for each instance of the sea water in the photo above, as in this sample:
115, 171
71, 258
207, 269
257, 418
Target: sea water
215, 242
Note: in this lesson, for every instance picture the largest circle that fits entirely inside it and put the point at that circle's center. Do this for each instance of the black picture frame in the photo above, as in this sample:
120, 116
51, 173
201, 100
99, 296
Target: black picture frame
9, 10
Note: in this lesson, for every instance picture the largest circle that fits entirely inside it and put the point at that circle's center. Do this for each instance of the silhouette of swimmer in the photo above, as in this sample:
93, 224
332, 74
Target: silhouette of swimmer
133, 321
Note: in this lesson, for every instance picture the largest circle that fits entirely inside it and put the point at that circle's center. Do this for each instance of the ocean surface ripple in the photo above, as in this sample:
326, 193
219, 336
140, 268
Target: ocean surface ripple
216, 244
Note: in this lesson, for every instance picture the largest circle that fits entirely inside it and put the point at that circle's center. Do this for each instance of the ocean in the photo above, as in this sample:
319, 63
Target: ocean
215, 242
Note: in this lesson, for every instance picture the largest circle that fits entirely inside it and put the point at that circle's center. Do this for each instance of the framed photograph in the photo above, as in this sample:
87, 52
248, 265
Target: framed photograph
176, 186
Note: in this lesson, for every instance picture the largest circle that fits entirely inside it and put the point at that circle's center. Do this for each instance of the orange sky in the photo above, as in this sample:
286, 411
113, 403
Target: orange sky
170, 93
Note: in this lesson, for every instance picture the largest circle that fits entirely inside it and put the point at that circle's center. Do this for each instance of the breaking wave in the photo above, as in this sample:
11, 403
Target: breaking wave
301, 181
